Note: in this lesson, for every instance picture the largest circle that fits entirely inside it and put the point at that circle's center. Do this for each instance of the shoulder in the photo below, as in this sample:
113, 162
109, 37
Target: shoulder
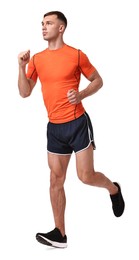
77, 51
71, 48
37, 57
40, 54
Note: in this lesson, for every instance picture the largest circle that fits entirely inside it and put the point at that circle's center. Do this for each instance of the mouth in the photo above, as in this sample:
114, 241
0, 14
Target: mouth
44, 33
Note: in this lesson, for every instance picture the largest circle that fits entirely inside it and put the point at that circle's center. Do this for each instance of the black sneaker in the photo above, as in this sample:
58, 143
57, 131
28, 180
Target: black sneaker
53, 238
118, 203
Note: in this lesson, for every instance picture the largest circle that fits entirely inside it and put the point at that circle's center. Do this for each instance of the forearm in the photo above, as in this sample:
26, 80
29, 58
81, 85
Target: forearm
75, 97
91, 89
23, 83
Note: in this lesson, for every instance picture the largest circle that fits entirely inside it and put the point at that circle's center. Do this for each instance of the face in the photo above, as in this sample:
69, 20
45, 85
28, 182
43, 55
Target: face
52, 27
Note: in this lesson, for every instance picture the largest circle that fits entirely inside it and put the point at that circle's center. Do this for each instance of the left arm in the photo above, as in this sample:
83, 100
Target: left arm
75, 97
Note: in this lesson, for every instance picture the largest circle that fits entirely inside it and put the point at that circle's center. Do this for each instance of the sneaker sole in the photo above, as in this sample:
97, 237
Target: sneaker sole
48, 242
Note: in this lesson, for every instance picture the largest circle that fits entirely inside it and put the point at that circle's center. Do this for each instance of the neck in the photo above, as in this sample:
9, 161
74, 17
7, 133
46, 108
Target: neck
54, 45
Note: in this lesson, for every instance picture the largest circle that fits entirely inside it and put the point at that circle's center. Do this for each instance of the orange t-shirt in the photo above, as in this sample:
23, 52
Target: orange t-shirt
59, 71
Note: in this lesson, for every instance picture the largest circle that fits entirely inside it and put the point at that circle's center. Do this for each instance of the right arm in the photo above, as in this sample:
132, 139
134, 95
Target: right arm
25, 85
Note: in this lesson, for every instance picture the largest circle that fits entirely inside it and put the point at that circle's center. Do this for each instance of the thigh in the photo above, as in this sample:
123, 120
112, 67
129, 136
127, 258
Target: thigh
57, 142
85, 162
58, 163
81, 133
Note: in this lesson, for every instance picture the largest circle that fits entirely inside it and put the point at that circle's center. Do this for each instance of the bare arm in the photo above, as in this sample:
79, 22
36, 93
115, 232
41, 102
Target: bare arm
25, 85
96, 83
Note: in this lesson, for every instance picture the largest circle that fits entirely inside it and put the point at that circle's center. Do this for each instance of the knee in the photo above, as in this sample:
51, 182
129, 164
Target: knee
86, 176
83, 177
56, 180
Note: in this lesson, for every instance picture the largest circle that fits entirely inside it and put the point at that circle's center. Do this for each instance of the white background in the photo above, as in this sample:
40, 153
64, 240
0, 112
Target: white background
107, 31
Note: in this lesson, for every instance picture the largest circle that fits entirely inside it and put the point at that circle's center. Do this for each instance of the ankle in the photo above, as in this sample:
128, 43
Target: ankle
113, 190
62, 230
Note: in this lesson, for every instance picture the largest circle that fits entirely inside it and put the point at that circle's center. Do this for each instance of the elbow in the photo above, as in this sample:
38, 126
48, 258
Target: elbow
24, 89
23, 94
101, 83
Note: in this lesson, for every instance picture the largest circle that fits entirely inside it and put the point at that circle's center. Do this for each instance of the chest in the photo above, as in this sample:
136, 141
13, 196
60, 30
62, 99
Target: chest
57, 67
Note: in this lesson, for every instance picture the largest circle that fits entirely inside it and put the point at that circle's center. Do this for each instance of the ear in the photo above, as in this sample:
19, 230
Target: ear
61, 28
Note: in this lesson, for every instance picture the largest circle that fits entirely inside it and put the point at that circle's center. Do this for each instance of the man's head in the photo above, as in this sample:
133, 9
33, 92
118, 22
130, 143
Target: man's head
54, 23
59, 15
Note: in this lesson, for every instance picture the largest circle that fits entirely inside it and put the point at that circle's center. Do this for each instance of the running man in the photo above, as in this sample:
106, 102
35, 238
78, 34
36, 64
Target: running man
59, 68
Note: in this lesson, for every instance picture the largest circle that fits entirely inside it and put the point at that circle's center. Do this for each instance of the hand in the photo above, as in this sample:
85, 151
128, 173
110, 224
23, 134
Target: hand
23, 58
73, 96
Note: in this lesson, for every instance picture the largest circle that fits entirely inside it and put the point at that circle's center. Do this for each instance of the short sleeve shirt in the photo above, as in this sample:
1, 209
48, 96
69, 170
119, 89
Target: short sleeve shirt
60, 71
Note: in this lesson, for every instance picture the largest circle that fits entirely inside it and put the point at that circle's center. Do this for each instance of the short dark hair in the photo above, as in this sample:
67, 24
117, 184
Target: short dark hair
60, 16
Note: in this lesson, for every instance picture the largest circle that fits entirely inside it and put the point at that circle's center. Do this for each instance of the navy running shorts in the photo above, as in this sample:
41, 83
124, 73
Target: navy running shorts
75, 135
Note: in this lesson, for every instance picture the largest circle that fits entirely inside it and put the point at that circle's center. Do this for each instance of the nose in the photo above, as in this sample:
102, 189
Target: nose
43, 26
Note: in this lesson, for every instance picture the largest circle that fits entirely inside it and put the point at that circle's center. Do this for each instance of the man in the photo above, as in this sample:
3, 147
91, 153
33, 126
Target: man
59, 68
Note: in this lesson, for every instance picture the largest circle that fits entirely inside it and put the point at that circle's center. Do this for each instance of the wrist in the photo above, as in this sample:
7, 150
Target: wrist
82, 94
22, 67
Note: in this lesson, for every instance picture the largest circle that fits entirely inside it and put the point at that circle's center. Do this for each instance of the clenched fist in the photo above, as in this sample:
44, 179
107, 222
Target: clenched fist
73, 96
23, 58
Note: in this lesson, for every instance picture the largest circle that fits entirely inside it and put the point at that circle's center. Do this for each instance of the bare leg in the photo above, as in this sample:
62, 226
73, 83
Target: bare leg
58, 166
87, 174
